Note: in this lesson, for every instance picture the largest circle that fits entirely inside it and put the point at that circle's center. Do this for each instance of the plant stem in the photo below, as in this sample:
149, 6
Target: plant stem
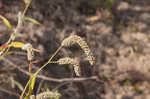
26, 8
35, 74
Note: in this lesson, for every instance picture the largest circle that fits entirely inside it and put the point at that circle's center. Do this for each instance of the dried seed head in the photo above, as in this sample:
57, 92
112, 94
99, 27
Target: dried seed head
30, 53
77, 39
48, 94
73, 62
32, 97
68, 41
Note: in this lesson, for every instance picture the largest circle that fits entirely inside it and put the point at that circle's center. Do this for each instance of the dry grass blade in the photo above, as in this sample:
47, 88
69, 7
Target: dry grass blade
32, 20
77, 39
73, 62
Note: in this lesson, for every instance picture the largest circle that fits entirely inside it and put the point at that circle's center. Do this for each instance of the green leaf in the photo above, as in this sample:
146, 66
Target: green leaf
1, 48
6, 22
31, 85
32, 20
16, 44
26, 1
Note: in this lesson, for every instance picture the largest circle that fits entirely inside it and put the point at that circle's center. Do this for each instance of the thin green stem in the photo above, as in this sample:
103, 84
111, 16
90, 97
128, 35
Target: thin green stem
53, 62
49, 59
26, 8
21, 97
35, 74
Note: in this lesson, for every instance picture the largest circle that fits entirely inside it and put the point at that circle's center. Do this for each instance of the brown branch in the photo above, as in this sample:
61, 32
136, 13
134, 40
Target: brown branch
9, 92
50, 78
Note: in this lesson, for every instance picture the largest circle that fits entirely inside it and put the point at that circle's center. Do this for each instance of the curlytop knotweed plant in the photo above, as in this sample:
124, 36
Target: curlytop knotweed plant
69, 41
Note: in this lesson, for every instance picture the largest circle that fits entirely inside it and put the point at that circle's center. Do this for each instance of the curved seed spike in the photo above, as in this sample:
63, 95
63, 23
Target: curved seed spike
48, 94
73, 62
77, 39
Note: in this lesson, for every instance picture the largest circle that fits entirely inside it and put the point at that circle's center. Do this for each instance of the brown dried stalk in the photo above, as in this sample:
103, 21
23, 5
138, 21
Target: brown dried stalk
73, 62
60, 80
73, 39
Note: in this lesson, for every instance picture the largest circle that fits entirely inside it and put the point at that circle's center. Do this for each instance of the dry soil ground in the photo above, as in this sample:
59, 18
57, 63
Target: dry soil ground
120, 44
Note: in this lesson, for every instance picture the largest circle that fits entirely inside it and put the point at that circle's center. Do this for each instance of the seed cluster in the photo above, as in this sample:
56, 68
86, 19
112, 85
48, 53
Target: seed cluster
30, 53
73, 62
77, 39
48, 94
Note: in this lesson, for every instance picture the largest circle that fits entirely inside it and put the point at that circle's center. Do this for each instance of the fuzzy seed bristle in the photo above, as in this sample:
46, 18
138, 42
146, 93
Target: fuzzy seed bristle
32, 97
68, 41
48, 94
77, 39
73, 62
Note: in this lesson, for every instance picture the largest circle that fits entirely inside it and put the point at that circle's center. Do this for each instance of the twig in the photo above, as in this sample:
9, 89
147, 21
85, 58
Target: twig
60, 85
9, 92
39, 87
50, 78
67, 79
